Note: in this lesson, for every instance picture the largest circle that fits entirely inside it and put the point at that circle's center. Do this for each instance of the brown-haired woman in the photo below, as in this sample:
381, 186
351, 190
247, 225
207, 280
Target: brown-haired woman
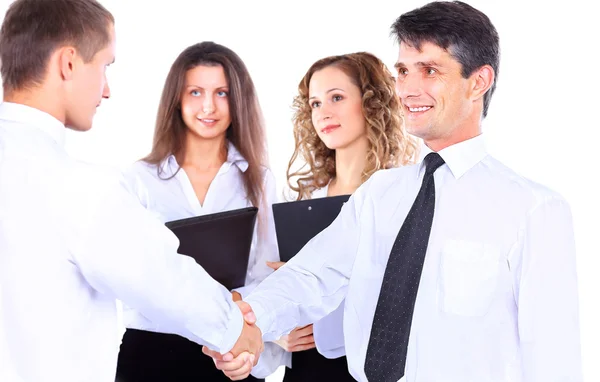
208, 155
347, 125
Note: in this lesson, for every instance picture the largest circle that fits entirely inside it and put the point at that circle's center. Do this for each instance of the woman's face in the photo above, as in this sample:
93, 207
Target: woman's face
336, 104
205, 103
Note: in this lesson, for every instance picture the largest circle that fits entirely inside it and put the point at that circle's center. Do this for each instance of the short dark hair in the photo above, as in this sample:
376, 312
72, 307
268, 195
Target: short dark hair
33, 29
463, 31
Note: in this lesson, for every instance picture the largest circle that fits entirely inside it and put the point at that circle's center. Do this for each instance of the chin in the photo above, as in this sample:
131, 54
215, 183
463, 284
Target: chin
210, 135
417, 131
334, 146
78, 126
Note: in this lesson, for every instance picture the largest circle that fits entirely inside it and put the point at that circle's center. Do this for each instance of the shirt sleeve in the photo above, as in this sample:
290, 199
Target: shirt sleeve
329, 334
314, 283
125, 252
264, 245
545, 284
272, 357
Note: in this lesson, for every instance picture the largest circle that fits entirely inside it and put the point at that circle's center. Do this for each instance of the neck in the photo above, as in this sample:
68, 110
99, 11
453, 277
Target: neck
203, 153
38, 98
349, 165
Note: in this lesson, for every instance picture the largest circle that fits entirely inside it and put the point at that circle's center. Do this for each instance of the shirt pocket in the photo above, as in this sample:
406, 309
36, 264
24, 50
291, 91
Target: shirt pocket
469, 277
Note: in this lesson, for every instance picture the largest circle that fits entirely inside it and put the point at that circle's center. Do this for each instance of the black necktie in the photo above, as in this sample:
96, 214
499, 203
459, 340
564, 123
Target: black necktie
386, 353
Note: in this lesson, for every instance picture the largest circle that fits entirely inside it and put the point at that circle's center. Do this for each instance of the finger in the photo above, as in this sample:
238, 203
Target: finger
301, 332
237, 363
239, 377
212, 353
275, 264
302, 347
302, 341
246, 309
236, 296
240, 373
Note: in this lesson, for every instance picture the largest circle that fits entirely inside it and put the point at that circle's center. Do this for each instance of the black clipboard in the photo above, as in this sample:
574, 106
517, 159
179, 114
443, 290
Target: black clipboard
219, 242
296, 223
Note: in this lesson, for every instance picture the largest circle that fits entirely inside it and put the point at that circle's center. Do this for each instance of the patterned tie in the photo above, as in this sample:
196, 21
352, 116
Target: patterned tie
386, 353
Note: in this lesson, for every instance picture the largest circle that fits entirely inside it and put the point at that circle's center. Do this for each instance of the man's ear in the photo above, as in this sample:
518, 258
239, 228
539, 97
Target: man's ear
482, 81
67, 60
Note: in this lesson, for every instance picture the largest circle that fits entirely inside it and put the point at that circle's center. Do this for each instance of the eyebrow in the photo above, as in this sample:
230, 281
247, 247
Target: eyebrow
329, 91
200, 87
421, 64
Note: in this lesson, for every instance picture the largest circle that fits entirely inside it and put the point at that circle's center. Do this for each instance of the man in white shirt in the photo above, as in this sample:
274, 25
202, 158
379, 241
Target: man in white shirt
485, 289
72, 239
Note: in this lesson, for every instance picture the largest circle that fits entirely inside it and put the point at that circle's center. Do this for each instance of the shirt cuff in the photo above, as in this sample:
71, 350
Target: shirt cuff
263, 319
233, 330
246, 289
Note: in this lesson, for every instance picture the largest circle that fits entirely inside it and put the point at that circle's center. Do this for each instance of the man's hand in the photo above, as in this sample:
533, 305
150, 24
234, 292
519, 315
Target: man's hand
236, 369
299, 339
238, 363
251, 338
247, 312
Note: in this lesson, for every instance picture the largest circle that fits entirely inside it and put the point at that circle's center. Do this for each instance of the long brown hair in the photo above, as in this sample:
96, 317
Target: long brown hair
246, 132
389, 143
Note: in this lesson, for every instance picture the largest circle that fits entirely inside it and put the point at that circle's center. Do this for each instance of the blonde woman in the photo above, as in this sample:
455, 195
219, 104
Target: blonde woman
347, 125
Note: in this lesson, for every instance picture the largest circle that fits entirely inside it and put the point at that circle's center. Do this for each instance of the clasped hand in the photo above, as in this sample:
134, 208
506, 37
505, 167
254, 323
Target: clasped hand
244, 355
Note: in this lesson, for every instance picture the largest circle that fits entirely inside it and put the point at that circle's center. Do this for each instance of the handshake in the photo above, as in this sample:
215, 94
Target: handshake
244, 355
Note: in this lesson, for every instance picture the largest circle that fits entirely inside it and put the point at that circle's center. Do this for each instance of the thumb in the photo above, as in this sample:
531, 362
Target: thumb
247, 312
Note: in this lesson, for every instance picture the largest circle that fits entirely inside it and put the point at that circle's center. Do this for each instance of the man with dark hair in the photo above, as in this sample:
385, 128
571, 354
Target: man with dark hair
72, 239
454, 269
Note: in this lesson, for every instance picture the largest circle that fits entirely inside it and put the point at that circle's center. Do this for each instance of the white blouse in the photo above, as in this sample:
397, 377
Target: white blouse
171, 196
174, 198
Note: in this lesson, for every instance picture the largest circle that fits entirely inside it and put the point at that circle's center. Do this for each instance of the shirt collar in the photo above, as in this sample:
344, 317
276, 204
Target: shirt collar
460, 157
233, 157
26, 115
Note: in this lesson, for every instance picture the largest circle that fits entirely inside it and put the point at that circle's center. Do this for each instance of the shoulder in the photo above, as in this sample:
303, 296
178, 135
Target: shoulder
382, 180
517, 187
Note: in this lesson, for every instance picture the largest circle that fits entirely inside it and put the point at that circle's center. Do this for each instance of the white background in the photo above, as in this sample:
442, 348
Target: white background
542, 120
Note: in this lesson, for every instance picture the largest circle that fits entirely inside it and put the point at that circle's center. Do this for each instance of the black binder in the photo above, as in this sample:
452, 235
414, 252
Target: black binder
219, 242
298, 222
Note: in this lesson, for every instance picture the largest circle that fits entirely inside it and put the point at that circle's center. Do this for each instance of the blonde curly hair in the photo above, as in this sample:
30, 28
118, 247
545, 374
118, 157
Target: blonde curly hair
389, 143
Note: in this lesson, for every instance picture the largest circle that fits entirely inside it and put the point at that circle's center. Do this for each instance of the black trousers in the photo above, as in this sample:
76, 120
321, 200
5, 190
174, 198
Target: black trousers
310, 366
157, 357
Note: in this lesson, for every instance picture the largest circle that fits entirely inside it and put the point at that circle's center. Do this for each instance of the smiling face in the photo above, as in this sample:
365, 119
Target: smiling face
205, 103
440, 105
336, 104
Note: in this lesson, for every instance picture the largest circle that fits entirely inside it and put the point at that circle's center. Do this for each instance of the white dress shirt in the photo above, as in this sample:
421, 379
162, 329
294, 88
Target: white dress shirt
497, 299
72, 242
170, 196
172, 199
328, 332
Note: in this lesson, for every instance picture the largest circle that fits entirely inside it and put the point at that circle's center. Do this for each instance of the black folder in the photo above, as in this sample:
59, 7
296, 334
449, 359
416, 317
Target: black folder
219, 242
298, 222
